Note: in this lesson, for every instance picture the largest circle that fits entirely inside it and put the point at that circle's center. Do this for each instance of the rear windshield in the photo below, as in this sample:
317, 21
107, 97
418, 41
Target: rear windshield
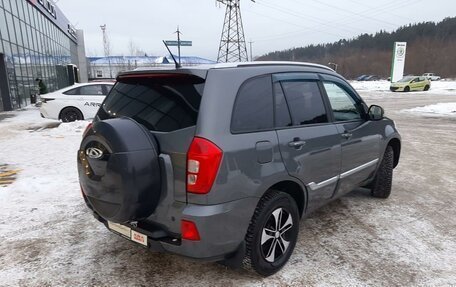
162, 102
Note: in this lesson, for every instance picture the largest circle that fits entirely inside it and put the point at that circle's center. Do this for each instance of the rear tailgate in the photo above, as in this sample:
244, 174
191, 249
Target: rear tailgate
166, 103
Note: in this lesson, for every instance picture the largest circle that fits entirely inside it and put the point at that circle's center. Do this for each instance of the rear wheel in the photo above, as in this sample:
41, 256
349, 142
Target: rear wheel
381, 186
70, 115
272, 233
407, 89
426, 88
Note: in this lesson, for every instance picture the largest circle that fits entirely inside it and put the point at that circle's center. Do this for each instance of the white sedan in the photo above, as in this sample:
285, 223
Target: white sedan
74, 103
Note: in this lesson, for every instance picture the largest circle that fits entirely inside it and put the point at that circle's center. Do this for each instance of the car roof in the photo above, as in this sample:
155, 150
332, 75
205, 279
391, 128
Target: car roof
199, 69
92, 83
77, 85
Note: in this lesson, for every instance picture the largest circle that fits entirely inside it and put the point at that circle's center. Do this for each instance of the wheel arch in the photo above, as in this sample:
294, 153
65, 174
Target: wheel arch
73, 107
295, 190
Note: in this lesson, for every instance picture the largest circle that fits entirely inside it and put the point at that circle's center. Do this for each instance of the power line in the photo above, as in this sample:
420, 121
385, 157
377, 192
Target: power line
301, 15
294, 24
338, 23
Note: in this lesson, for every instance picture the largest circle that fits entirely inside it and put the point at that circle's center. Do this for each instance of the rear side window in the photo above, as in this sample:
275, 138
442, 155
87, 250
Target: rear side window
72, 92
253, 109
162, 102
305, 102
92, 90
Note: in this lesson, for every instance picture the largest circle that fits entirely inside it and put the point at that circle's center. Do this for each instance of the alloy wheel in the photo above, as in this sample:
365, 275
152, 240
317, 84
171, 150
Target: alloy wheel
276, 235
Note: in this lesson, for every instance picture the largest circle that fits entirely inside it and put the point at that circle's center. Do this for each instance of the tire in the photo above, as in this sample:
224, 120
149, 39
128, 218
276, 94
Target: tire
426, 88
119, 170
407, 89
269, 257
381, 185
70, 115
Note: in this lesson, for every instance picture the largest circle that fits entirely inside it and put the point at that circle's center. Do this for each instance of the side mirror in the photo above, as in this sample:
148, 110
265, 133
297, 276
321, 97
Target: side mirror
375, 113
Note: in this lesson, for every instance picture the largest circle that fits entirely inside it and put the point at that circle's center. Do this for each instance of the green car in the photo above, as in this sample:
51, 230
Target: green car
411, 83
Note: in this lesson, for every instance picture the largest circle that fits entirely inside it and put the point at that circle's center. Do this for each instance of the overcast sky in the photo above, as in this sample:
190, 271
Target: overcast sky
271, 24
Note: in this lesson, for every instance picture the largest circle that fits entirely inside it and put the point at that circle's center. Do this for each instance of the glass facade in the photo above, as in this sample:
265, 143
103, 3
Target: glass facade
33, 46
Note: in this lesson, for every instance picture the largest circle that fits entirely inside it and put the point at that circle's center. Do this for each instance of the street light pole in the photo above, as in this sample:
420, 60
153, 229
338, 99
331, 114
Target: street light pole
251, 54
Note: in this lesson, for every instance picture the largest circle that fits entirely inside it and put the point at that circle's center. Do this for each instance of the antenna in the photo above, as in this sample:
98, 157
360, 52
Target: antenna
232, 43
172, 56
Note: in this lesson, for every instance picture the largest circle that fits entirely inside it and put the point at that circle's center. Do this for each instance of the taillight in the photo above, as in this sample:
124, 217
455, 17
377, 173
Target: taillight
87, 129
189, 230
203, 161
44, 100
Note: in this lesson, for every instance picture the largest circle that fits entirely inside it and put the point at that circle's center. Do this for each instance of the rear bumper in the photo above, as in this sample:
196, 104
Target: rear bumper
46, 113
222, 229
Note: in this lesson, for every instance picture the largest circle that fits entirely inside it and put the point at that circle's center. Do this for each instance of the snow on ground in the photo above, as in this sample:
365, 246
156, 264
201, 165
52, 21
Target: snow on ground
440, 109
442, 87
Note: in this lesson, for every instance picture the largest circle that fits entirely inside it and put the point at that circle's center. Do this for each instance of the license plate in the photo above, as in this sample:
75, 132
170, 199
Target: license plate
122, 229
128, 233
139, 237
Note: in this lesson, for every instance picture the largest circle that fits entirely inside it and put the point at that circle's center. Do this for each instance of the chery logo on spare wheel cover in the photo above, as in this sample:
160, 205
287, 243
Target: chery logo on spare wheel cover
94, 152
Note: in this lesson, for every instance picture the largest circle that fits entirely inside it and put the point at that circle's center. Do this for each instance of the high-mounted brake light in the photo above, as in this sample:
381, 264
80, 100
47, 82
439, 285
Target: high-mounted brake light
189, 231
203, 161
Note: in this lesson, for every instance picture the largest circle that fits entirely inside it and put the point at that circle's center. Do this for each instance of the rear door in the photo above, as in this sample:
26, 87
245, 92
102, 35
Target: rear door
92, 96
309, 142
417, 84
360, 137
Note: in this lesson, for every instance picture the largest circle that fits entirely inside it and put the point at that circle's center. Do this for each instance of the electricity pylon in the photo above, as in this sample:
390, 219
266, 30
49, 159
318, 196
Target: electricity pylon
232, 43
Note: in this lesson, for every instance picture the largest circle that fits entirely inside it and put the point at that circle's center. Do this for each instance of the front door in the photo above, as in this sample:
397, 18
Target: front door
360, 142
309, 143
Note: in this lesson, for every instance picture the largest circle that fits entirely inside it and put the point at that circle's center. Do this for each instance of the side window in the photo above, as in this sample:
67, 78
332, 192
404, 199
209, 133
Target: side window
253, 109
72, 92
282, 113
342, 104
92, 90
305, 102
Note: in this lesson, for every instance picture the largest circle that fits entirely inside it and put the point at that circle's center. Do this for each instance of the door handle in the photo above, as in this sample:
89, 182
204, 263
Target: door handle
296, 143
347, 135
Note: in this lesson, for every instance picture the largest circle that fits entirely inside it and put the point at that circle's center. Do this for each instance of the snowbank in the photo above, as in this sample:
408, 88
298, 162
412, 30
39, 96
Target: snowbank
442, 109
441, 87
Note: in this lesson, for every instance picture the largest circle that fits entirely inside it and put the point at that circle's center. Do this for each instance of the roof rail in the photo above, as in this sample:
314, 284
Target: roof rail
274, 63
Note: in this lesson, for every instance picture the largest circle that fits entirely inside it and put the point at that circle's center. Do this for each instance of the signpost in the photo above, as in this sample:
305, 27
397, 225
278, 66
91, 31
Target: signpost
178, 43
398, 65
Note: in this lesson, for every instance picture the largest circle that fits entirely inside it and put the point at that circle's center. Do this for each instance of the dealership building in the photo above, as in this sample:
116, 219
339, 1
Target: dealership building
37, 41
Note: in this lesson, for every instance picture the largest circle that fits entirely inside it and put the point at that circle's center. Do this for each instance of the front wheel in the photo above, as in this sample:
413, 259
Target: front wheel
407, 89
381, 186
272, 233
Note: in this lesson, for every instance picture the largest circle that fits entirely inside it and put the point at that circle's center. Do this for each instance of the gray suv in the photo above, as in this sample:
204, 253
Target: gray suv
220, 162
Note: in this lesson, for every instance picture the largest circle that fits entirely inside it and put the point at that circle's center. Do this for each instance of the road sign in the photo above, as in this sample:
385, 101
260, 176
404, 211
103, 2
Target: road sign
176, 43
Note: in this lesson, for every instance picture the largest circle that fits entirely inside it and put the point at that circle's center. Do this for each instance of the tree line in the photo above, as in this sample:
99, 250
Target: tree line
431, 47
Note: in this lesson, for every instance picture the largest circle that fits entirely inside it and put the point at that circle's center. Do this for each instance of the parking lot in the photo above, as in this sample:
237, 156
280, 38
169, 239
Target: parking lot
49, 238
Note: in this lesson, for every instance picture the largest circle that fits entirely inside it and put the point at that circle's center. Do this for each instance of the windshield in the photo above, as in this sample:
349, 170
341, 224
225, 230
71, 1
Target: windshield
162, 102
406, 79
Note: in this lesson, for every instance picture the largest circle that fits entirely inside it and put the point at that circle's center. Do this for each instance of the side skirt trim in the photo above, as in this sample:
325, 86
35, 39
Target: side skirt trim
315, 186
